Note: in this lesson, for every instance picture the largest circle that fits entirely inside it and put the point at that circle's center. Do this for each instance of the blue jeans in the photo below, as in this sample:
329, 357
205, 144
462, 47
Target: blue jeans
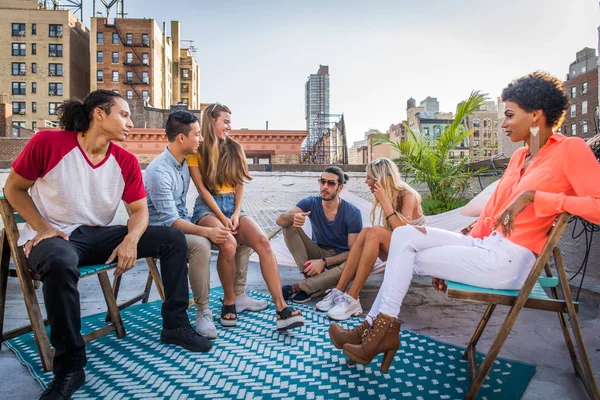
225, 202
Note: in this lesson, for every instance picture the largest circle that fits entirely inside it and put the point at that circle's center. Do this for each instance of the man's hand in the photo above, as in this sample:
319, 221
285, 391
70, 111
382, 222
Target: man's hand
300, 218
314, 267
439, 285
218, 234
507, 219
45, 234
126, 254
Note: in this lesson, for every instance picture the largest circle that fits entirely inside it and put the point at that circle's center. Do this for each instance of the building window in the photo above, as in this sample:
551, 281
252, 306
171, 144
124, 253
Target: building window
18, 107
584, 87
426, 131
33, 87
129, 77
55, 89
100, 38
33, 106
145, 94
145, 59
451, 154
129, 94
100, 76
573, 129
52, 107
18, 29
34, 29
115, 38
145, 40
33, 68
129, 58
584, 107
100, 57
18, 49
185, 87
55, 50
34, 125
33, 48
185, 73
115, 76
19, 68
573, 110
18, 88
129, 39
55, 69
115, 57
573, 92
583, 69
584, 127
55, 30
145, 78
462, 154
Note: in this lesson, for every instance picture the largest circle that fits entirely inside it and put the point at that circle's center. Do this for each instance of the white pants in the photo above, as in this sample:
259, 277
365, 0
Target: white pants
492, 262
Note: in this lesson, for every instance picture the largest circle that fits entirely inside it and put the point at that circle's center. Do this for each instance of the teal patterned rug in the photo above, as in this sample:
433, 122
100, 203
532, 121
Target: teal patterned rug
254, 361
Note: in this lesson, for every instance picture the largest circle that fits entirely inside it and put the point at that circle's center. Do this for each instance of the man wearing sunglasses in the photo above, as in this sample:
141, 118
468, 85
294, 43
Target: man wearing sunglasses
335, 227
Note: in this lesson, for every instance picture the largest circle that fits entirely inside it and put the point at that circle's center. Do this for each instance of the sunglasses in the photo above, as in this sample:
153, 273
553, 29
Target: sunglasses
329, 183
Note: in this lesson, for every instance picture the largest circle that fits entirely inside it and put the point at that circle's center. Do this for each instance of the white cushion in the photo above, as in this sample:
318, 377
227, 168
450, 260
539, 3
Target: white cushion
477, 203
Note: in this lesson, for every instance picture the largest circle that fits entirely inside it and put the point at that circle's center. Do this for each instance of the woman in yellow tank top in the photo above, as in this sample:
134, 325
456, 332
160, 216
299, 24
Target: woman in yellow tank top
219, 171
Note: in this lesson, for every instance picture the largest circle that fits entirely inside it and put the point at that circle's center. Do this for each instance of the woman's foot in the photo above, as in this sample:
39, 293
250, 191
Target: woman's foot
289, 318
228, 315
345, 307
340, 336
383, 337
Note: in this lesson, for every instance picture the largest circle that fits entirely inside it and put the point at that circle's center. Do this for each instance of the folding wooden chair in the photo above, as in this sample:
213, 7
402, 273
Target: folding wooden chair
531, 295
8, 247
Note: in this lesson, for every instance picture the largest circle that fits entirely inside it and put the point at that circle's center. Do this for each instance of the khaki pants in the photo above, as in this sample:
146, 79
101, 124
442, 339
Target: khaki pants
304, 249
199, 268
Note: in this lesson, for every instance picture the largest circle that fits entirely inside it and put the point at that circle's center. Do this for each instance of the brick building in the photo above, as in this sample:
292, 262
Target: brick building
135, 58
40, 60
582, 88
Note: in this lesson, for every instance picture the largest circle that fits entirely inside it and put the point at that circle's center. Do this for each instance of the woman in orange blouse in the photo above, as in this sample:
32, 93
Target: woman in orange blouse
551, 174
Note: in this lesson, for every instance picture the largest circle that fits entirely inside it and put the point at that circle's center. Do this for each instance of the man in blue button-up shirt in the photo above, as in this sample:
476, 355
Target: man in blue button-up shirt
167, 180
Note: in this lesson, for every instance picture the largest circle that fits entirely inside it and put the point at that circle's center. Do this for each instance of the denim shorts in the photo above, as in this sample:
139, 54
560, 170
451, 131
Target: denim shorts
225, 202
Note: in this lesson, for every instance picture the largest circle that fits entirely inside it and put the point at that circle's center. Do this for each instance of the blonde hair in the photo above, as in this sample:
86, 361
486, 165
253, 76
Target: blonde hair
226, 157
384, 171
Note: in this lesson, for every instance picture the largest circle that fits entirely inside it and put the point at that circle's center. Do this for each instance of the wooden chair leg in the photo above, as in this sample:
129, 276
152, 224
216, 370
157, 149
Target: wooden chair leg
588, 374
479, 331
111, 303
148, 288
4, 262
115, 289
156, 277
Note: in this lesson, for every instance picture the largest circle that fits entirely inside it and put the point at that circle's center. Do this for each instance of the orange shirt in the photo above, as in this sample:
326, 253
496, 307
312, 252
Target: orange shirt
565, 176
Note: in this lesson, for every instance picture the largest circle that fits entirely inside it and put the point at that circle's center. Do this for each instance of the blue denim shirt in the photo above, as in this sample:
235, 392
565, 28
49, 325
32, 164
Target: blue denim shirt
167, 183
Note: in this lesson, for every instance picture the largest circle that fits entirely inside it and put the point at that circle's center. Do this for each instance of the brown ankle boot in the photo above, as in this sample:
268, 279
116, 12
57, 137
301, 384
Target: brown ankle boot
381, 338
340, 336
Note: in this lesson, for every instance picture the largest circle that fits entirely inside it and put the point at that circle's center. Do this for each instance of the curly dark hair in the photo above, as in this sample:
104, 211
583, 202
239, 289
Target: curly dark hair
539, 91
74, 115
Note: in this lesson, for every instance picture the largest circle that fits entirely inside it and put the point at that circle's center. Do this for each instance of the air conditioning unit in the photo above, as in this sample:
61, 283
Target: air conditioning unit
129, 43
22, 72
145, 81
21, 33
51, 93
22, 112
52, 54
59, 34
51, 73
145, 62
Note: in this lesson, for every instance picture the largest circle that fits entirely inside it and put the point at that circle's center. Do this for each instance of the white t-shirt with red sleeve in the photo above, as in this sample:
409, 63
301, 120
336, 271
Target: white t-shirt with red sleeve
68, 190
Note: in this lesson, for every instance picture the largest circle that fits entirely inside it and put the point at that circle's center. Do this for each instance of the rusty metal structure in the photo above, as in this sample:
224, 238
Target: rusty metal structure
326, 141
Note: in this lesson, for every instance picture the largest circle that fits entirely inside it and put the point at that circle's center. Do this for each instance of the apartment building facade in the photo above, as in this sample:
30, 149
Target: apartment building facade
582, 88
43, 60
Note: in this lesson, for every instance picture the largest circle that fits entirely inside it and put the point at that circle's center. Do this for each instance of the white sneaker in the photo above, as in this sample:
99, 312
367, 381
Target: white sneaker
243, 302
205, 325
329, 301
345, 307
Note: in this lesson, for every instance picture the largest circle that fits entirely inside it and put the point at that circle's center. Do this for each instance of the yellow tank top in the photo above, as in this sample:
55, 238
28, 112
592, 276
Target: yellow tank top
195, 159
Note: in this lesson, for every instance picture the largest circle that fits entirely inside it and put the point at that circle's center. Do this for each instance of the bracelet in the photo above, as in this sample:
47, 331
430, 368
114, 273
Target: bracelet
390, 215
324, 261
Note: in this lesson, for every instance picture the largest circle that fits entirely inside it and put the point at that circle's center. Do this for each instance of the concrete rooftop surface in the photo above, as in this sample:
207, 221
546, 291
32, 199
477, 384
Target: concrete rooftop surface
536, 338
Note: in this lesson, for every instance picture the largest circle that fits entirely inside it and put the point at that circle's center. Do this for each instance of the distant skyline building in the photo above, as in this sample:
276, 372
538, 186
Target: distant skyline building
317, 95
582, 88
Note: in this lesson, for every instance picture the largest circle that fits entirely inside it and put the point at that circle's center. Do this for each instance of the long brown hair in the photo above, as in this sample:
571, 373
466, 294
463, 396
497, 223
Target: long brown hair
223, 161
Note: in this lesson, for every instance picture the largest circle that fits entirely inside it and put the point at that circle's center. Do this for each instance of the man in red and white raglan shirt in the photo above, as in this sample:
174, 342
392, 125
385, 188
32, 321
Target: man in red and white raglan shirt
77, 178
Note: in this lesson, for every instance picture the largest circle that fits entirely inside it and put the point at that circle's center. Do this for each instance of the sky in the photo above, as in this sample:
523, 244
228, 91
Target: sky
256, 55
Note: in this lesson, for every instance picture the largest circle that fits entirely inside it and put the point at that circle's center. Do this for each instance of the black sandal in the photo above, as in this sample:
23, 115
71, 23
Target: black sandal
285, 319
228, 309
